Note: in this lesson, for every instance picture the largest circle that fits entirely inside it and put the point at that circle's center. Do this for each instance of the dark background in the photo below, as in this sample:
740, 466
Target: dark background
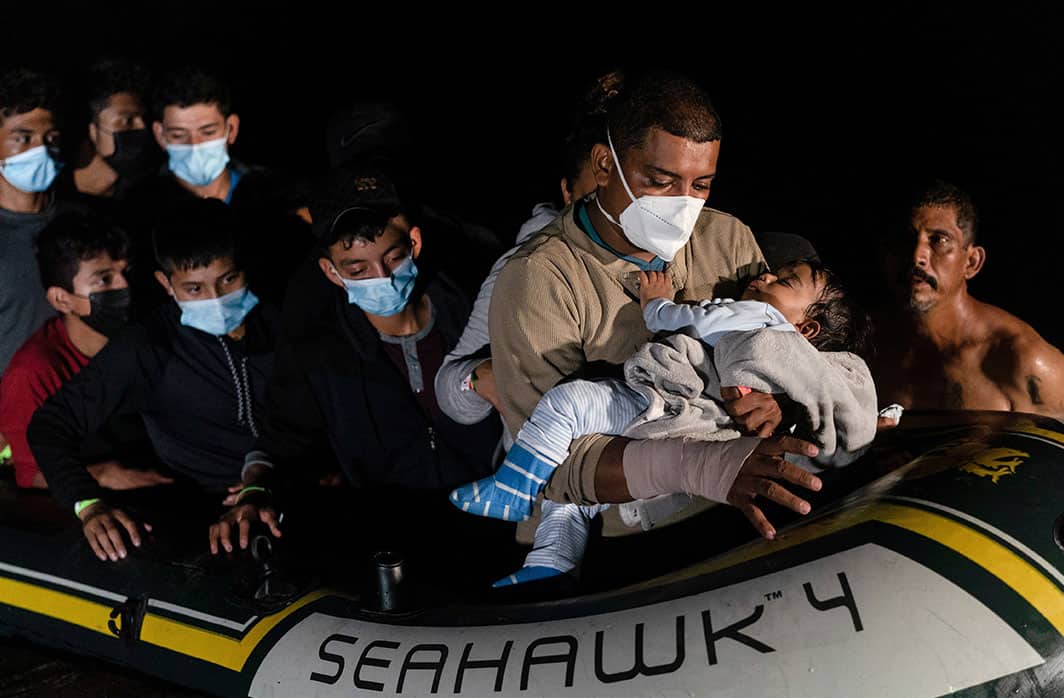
825, 114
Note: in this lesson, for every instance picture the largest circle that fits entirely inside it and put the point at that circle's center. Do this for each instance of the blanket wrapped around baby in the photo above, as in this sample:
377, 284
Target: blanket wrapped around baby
681, 378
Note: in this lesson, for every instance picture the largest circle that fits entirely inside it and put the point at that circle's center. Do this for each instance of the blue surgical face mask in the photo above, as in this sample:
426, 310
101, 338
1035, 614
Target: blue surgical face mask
386, 295
220, 315
199, 164
32, 171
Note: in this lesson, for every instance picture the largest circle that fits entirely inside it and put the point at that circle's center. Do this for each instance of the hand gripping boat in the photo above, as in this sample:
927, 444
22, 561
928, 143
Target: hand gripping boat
944, 575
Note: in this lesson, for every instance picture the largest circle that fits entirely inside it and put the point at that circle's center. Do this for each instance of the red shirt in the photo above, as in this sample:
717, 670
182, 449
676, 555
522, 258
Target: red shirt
37, 370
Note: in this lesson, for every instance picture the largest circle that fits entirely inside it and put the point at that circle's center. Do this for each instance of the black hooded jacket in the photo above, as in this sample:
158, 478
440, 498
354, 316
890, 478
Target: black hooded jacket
334, 382
199, 396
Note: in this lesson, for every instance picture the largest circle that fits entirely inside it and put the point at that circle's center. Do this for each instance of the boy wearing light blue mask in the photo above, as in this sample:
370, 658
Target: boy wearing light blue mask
360, 376
195, 371
28, 138
195, 125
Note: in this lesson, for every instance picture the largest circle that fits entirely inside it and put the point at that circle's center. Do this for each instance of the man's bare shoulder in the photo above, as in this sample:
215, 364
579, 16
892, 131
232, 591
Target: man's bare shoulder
1035, 367
1010, 333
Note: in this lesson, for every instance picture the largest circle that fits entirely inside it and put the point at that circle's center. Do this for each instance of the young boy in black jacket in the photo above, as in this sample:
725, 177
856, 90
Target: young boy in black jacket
358, 374
195, 371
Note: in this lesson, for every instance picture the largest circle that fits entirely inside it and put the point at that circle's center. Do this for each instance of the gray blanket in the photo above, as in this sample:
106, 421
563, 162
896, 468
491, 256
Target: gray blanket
681, 378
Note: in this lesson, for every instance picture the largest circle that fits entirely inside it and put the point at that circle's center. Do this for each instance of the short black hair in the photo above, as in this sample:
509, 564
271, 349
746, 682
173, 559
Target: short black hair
71, 238
190, 85
662, 100
22, 90
111, 76
844, 325
194, 233
942, 194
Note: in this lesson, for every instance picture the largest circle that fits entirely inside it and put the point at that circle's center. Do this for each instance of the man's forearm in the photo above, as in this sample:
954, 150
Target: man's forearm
611, 485
626, 470
258, 467
672, 466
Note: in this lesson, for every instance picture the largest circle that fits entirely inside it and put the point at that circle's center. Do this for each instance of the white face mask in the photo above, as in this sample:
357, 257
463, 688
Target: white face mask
658, 224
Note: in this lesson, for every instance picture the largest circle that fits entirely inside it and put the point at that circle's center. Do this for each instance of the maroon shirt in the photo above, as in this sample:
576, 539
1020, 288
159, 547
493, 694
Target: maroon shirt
38, 369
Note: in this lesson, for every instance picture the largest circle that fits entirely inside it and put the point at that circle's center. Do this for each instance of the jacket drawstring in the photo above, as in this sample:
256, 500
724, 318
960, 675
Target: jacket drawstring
245, 415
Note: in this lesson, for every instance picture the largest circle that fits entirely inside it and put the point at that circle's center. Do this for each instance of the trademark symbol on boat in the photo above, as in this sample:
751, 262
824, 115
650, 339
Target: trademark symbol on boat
773, 595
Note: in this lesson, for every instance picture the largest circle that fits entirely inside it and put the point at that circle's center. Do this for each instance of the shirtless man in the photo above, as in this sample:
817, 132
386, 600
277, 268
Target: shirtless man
951, 351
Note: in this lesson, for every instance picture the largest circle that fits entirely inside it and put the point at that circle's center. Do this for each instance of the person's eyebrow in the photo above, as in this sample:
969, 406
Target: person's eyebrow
668, 173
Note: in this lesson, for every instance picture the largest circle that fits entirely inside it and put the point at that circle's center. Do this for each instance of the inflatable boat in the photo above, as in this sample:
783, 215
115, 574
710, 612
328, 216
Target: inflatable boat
934, 567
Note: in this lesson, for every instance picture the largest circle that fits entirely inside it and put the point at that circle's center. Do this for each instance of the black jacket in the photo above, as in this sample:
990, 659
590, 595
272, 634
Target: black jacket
334, 382
181, 382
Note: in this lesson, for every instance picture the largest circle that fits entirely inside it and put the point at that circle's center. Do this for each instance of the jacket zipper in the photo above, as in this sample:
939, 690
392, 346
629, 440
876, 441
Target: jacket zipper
432, 438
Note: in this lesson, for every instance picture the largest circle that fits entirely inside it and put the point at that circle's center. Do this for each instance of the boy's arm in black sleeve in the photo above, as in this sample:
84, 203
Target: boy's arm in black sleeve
112, 383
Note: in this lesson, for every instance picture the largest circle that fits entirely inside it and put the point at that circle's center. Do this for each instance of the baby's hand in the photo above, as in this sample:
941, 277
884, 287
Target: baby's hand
654, 284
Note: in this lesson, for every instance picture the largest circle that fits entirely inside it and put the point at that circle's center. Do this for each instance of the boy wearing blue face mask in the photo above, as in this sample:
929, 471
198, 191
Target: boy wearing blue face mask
28, 139
361, 376
195, 126
195, 371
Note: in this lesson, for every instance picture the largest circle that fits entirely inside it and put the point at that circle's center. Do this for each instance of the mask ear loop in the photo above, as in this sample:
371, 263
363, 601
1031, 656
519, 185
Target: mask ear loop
617, 161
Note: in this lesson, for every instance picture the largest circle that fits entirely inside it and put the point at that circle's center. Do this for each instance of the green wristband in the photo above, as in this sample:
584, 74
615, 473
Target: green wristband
83, 505
250, 488
6, 453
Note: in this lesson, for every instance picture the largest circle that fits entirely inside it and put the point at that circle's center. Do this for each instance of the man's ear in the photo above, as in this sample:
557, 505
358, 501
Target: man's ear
809, 329
415, 241
974, 262
59, 299
327, 268
164, 282
157, 131
601, 163
567, 196
94, 133
233, 123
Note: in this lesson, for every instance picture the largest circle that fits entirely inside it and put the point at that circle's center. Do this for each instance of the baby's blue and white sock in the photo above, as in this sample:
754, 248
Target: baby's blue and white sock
559, 543
566, 411
510, 493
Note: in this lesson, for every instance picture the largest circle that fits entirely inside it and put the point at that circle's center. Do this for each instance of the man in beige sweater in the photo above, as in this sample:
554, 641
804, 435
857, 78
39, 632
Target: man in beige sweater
568, 302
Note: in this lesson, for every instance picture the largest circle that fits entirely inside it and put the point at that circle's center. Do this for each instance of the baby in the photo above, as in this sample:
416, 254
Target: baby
803, 297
